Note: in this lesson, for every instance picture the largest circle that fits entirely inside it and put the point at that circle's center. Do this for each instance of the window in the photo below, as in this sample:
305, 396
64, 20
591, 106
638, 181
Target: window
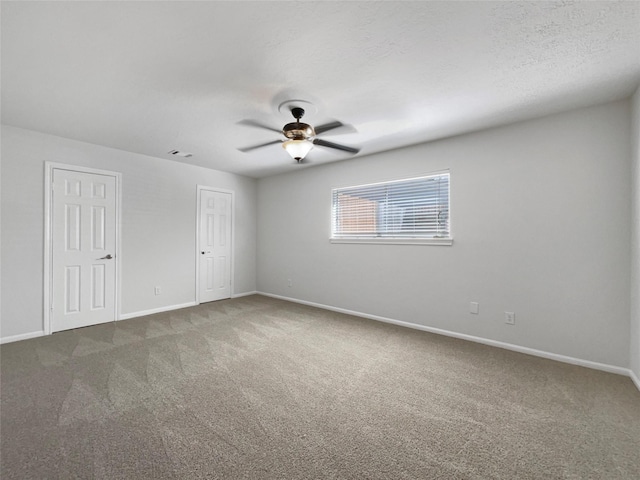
414, 210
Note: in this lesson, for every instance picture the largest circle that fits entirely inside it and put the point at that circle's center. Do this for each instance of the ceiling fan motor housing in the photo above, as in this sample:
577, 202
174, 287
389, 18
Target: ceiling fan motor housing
298, 130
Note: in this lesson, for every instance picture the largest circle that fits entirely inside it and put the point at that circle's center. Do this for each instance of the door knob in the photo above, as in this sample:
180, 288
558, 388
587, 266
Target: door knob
107, 257
205, 252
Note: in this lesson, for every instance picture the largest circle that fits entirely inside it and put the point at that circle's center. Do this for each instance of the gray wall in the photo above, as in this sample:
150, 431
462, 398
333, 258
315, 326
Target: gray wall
540, 220
158, 225
634, 362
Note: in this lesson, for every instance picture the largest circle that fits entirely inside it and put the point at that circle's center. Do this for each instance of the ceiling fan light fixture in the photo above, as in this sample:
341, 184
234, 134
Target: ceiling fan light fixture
298, 149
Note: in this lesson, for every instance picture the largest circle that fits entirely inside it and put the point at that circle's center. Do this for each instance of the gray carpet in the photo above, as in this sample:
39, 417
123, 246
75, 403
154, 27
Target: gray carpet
257, 388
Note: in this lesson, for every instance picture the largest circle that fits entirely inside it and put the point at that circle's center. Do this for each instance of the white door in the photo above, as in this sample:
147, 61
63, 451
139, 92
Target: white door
83, 249
214, 246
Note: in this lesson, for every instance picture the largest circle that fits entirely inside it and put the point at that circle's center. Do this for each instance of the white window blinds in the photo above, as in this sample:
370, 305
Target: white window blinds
412, 208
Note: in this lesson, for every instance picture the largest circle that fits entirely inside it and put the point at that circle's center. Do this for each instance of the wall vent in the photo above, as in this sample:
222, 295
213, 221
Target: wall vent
178, 153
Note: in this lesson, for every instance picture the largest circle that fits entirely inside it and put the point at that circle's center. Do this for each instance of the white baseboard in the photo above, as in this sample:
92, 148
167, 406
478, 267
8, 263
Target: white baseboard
471, 338
635, 378
22, 336
244, 294
126, 316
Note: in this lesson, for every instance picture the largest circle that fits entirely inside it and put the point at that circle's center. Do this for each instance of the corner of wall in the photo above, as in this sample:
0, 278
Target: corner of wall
634, 348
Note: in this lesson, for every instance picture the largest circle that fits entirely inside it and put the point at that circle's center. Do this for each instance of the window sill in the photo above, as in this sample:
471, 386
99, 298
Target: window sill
395, 241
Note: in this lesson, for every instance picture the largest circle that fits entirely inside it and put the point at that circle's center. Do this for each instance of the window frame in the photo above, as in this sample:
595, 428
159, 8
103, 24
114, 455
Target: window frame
400, 240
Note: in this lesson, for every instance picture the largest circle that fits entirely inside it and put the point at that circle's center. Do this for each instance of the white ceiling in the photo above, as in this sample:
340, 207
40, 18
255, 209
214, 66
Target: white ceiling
149, 77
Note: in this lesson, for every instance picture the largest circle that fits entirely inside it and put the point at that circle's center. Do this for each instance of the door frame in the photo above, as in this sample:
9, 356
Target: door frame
49, 167
199, 189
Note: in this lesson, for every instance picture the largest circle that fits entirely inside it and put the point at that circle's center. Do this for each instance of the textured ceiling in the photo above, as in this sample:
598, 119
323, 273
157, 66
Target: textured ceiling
149, 77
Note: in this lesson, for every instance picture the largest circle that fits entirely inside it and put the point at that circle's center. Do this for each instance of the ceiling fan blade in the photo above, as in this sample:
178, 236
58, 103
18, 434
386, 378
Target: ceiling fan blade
257, 124
325, 127
324, 143
253, 147
338, 128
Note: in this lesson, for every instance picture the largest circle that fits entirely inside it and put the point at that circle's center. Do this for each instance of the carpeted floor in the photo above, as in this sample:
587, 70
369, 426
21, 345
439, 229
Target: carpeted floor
257, 388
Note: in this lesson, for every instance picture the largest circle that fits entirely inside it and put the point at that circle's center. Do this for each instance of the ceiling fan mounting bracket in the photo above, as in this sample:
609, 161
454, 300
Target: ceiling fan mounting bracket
287, 106
297, 112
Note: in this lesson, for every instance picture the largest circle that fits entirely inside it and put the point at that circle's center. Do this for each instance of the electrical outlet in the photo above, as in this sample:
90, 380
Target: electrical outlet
289, 283
510, 318
157, 290
474, 307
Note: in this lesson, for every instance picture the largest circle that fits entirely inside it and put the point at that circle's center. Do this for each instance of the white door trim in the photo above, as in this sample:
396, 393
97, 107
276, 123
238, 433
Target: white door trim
48, 214
199, 190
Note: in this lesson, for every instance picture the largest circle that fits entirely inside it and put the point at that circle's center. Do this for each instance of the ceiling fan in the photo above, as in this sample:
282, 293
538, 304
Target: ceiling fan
300, 137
